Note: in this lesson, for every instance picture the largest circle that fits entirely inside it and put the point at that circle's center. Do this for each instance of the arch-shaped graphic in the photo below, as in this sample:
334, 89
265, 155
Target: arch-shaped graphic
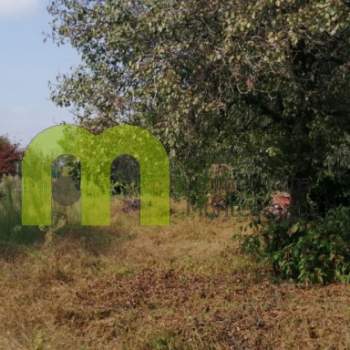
96, 154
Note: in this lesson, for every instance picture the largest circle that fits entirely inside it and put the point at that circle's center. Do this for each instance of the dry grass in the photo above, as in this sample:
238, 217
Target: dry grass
182, 287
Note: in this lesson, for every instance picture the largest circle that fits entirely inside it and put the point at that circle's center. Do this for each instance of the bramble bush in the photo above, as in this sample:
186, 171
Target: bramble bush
315, 251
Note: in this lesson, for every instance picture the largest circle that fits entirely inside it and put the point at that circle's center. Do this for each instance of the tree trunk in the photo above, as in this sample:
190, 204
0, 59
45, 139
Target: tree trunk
299, 190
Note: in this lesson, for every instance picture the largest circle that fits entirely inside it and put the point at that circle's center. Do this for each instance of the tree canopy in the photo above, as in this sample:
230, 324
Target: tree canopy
262, 84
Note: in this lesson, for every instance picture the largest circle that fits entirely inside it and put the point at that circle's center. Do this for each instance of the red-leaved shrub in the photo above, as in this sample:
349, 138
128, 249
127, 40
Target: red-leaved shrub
10, 155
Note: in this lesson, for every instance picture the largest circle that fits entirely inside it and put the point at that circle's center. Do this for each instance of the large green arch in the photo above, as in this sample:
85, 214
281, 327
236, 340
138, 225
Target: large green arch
96, 154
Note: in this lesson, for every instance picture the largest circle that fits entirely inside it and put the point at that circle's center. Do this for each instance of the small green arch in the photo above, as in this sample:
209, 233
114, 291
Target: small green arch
96, 154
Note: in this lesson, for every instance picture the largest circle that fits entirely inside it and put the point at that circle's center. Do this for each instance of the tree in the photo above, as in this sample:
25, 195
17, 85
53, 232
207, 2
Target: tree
10, 155
262, 83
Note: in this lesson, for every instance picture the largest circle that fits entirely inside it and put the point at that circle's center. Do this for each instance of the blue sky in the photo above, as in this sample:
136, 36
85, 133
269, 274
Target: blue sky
27, 64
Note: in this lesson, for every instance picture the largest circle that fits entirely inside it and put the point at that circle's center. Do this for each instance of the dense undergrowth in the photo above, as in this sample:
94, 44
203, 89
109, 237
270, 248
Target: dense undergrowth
311, 251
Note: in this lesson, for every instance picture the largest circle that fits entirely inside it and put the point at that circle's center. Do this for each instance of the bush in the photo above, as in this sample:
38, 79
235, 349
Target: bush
311, 252
10, 155
11, 229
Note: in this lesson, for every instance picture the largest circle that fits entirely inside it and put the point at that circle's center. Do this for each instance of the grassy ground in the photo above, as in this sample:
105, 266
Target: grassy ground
186, 286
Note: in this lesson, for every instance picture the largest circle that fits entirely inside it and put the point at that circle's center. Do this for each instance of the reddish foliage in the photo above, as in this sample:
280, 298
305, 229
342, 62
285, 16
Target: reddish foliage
9, 156
282, 199
280, 205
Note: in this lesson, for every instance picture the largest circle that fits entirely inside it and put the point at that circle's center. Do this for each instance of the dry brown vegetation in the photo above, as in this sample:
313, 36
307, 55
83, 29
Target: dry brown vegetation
186, 286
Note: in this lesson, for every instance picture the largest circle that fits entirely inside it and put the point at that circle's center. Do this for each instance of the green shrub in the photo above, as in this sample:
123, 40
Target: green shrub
312, 252
11, 229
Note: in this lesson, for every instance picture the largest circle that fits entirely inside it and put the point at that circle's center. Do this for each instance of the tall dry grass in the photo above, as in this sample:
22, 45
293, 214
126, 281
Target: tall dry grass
11, 229
182, 287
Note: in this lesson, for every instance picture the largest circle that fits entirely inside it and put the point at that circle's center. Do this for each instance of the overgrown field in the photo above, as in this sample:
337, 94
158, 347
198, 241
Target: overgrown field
186, 286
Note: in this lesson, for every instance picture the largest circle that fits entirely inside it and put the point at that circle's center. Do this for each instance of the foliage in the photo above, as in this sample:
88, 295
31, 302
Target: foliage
10, 155
262, 85
317, 252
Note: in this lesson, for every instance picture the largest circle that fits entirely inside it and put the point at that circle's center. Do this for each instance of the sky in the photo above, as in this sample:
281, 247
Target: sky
27, 64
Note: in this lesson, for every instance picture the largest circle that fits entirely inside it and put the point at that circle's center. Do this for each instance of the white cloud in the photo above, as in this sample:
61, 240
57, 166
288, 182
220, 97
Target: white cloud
17, 7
